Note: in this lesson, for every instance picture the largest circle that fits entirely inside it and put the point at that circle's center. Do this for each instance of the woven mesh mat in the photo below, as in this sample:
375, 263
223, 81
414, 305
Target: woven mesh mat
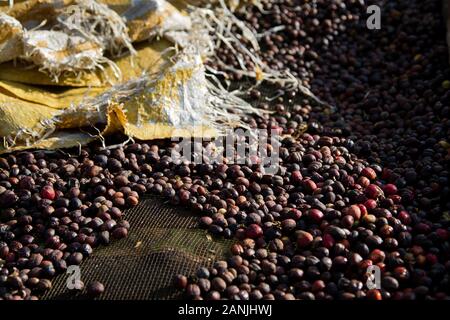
163, 241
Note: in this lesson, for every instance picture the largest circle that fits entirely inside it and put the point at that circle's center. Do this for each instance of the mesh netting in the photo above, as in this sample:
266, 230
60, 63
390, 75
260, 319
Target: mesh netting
163, 241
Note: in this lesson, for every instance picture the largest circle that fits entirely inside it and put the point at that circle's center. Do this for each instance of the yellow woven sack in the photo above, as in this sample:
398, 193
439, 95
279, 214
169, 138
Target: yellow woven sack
148, 58
177, 102
82, 42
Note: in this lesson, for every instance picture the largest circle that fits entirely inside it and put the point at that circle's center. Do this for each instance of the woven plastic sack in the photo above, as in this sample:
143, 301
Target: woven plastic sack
177, 102
148, 58
147, 19
11, 33
79, 42
31, 13
56, 52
